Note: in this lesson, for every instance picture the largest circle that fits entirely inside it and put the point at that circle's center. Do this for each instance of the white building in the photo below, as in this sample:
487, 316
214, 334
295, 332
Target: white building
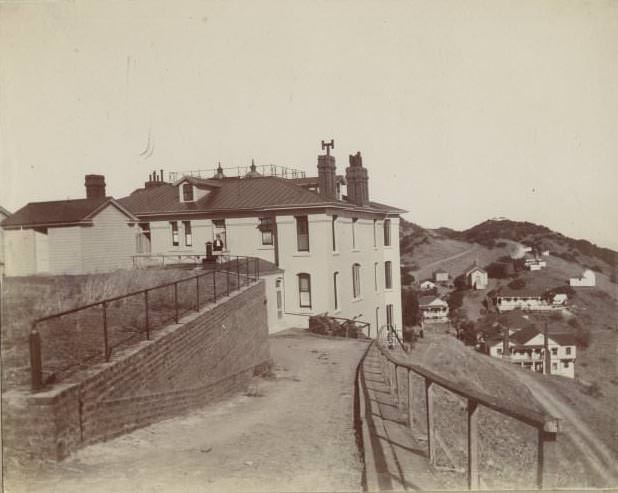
528, 300
428, 285
528, 348
3, 215
476, 278
587, 279
338, 256
95, 234
433, 309
335, 254
440, 275
534, 262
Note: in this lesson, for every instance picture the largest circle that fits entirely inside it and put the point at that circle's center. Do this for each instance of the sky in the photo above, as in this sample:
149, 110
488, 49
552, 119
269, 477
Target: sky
462, 110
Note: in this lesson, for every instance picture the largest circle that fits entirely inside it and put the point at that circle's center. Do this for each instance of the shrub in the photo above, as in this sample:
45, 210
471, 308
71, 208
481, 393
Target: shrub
583, 337
455, 300
460, 282
409, 307
497, 270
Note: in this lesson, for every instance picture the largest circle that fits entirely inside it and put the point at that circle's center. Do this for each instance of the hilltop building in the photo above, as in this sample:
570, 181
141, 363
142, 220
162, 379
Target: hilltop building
528, 300
336, 253
428, 285
440, 276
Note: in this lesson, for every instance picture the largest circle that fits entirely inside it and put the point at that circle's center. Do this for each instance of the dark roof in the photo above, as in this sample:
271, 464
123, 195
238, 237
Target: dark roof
4, 212
314, 180
267, 192
563, 339
524, 335
199, 182
55, 212
514, 320
526, 292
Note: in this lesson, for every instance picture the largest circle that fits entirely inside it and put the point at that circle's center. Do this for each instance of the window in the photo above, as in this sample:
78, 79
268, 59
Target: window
335, 279
188, 236
304, 290
266, 227
554, 366
387, 232
174, 225
302, 233
143, 238
375, 276
565, 364
334, 232
499, 351
388, 274
389, 315
568, 351
354, 221
356, 280
554, 351
219, 231
375, 241
187, 192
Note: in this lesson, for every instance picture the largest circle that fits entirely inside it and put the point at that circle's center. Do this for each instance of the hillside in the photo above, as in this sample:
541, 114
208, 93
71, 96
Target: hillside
422, 249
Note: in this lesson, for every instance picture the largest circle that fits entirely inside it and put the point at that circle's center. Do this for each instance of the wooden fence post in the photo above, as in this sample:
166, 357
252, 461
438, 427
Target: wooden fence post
397, 396
546, 446
430, 423
35, 360
473, 446
146, 319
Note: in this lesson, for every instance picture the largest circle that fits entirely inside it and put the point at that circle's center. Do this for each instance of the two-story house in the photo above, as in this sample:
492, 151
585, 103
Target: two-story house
338, 254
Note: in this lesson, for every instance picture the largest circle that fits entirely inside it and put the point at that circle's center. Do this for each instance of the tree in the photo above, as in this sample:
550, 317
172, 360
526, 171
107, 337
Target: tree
517, 284
409, 307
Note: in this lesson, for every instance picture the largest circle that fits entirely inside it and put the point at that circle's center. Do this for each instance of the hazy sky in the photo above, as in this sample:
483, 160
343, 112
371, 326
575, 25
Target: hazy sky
462, 110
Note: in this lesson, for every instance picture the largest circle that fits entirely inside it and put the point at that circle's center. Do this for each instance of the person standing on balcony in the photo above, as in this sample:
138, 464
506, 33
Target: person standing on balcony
217, 247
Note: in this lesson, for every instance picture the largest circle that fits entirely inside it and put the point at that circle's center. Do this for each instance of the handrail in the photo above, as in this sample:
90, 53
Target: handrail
35, 337
547, 426
521, 413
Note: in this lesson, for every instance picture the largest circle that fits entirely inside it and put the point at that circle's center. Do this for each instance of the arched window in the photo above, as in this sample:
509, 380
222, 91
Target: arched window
304, 290
356, 280
387, 232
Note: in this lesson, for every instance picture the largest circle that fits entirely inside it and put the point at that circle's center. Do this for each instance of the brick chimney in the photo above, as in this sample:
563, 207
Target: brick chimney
327, 175
95, 186
154, 180
357, 181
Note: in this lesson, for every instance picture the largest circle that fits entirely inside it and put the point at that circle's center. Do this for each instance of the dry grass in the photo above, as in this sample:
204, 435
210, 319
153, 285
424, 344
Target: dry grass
76, 340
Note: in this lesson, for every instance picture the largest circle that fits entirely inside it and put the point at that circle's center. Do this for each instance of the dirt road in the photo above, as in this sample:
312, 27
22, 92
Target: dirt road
289, 433
592, 450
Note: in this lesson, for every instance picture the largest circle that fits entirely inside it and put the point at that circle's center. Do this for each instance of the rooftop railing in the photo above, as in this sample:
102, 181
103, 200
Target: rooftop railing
78, 338
240, 171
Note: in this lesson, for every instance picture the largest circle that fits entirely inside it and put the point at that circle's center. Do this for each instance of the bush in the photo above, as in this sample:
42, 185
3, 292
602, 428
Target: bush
460, 282
583, 337
497, 270
517, 284
455, 300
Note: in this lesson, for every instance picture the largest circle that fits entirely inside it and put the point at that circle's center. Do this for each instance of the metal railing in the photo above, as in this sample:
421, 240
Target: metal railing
546, 426
240, 171
153, 308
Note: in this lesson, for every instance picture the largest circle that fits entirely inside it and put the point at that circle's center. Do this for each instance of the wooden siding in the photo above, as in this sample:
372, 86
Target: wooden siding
109, 243
65, 250
19, 250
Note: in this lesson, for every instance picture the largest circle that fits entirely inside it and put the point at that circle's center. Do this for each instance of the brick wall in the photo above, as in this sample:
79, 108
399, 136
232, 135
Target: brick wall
205, 357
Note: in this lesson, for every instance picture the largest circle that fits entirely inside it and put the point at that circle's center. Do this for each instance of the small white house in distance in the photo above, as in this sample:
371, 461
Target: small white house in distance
433, 309
528, 300
428, 285
588, 279
95, 234
440, 275
526, 348
476, 278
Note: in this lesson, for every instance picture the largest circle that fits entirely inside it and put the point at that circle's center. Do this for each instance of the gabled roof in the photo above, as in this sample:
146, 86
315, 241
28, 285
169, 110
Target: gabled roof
429, 300
237, 194
519, 293
440, 271
200, 182
60, 212
474, 267
522, 336
4, 212
315, 181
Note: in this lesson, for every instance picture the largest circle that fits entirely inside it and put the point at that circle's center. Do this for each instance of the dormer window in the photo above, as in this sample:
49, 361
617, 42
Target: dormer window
187, 192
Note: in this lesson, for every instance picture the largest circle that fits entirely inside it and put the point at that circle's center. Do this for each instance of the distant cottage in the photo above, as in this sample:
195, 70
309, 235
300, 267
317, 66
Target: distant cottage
587, 279
476, 278
433, 309
528, 300
440, 275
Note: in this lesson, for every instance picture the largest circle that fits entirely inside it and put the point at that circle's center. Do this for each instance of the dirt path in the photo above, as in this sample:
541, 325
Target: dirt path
291, 433
597, 456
